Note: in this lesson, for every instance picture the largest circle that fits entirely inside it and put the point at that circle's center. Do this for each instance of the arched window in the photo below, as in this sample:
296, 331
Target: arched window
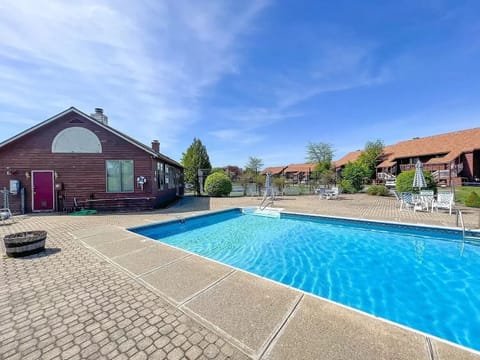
76, 140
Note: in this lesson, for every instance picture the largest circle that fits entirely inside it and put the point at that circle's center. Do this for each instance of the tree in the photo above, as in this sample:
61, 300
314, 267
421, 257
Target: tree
194, 159
233, 172
254, 164
260, 183
355, 174
218, 169
320, 154
370, 155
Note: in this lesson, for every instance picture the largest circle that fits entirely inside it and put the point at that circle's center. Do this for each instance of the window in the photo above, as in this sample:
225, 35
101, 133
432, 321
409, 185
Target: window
76, 140
170, 176
119, 175
160, 175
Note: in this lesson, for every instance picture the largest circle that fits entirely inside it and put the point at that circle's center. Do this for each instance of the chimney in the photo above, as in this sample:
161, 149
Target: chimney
156, 145
100, 116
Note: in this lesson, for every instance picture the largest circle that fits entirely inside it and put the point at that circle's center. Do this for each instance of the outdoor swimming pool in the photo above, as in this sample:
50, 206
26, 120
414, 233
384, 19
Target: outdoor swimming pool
415, 276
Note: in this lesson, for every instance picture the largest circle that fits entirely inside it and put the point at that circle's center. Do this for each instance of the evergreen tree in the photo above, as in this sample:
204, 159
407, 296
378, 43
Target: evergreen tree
194, 159
254, 164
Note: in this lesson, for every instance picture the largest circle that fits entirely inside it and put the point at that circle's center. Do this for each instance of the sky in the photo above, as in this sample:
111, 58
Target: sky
248, 78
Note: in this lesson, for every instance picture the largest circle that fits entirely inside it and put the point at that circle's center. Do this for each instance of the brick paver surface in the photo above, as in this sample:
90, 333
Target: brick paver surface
69, 303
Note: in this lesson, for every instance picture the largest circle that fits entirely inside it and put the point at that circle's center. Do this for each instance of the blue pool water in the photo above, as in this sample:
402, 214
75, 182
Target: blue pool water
410, 275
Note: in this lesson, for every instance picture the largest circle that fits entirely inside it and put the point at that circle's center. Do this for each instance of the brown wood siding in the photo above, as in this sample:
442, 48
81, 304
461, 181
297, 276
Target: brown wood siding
82, 175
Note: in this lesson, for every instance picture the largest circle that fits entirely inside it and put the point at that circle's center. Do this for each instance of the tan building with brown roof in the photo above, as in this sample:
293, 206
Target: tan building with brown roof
451, 157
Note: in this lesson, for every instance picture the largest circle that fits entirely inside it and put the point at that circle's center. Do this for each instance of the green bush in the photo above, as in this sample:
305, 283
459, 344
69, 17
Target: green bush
404, 181
472, 200
379, 190
347, 187
356, 173
218, 184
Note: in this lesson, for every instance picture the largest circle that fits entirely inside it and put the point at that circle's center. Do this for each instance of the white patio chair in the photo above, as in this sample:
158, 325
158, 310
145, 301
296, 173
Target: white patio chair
321, 192
426, 197
5, 214
444, 201
398, 197
333, 193
407, 201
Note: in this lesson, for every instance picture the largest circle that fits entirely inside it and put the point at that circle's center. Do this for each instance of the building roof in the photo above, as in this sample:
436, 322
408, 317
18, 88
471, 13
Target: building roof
292, 168
106, 127
274, 170
443, 148
350, 157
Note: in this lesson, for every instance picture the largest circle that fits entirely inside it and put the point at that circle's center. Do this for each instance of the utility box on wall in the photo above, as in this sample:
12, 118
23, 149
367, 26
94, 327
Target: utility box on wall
14, 187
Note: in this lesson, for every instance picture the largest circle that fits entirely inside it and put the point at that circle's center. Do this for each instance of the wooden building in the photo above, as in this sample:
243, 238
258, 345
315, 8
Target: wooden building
77, 160
451, 157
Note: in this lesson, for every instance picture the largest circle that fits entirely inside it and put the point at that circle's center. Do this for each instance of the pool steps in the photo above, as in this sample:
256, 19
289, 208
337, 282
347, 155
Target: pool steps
258, 211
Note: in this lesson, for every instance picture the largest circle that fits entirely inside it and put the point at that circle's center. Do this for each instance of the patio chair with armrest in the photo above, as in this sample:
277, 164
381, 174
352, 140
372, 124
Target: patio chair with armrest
333, 193
408, 201
426, 199
398, 197
5, 214
444, 201
321, 191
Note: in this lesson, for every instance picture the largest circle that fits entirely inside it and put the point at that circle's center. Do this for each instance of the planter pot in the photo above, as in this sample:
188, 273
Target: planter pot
25, 243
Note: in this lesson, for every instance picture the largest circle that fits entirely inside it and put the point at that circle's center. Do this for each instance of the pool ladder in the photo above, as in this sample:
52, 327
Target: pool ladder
268, 199
460, 221
265, 202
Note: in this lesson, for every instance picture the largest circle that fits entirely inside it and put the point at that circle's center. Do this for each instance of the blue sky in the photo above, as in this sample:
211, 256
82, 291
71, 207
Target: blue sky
249, 78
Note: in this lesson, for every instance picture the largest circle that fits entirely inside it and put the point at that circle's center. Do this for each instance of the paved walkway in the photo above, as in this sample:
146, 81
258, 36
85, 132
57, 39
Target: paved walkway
101, 292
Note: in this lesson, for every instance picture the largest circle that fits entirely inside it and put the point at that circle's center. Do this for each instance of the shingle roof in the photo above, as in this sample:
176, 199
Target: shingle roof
107, 127
350, 157
300, 168
274, 170
292, 168
446, 147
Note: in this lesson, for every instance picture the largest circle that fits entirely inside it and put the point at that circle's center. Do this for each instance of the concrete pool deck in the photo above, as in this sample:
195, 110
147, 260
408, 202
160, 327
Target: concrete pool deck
100, 291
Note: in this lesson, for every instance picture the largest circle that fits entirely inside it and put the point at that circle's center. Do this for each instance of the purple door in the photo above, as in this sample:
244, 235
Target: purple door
42, 191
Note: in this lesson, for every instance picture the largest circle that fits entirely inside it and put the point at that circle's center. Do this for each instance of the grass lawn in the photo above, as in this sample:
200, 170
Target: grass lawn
462, 192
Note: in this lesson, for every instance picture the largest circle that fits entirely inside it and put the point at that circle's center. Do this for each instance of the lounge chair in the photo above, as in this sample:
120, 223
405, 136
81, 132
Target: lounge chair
321, 192
444, 201
408, 201
5, 214
398, 197
333, 193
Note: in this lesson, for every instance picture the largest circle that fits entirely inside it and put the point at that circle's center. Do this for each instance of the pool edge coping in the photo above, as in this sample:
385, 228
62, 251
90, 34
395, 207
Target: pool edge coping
303, 292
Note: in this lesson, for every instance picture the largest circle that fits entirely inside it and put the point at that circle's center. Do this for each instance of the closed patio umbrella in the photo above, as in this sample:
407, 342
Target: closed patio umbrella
419, 178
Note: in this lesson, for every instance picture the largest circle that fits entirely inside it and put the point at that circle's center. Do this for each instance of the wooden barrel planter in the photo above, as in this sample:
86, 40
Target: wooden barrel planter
25, 243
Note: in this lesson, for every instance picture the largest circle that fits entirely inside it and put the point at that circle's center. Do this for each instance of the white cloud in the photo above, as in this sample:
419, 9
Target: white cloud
147, 62
237, 136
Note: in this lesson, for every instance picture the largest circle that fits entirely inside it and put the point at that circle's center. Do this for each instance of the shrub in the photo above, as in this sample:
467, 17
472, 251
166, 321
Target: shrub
355, 173
218, 184
379, 190
347, 186
472, 200
404, 181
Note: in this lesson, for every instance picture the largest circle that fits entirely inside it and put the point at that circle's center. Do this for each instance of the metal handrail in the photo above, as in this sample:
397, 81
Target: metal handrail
264, 204
460, 217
